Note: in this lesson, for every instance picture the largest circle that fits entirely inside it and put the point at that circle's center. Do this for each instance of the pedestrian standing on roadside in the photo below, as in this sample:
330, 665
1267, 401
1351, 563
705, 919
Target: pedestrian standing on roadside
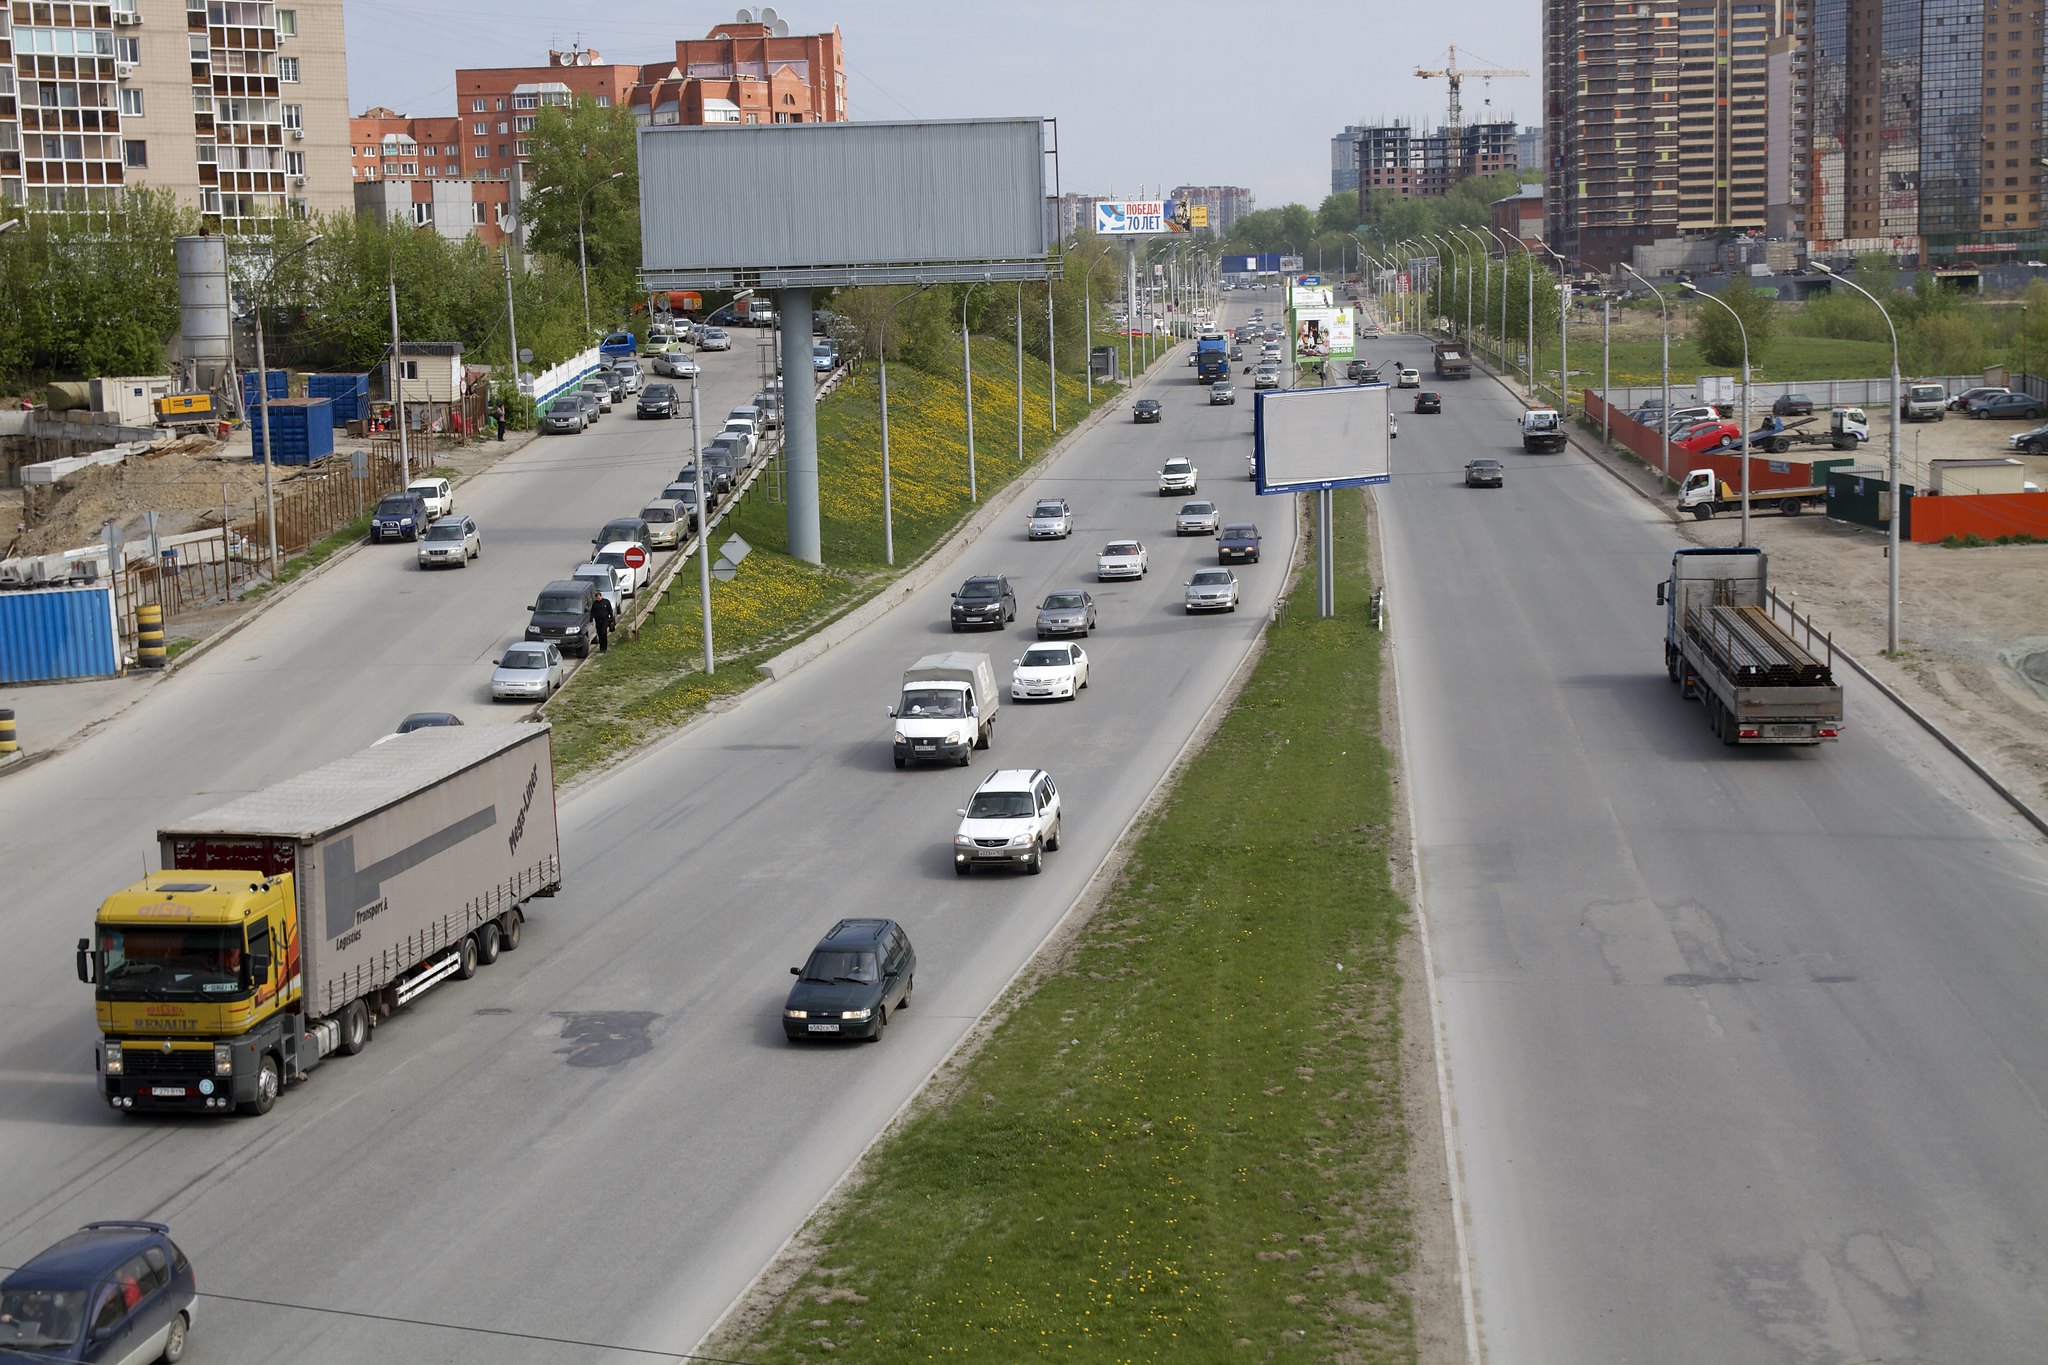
498, 414
605, 621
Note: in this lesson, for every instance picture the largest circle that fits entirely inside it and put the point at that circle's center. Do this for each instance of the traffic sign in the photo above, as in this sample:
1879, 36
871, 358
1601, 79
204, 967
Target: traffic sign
735, 549
725, 571
635, 556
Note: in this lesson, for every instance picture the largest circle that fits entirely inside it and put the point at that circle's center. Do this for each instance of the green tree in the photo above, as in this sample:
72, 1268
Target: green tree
576, 150
1720, 340
1339, 213
92, 293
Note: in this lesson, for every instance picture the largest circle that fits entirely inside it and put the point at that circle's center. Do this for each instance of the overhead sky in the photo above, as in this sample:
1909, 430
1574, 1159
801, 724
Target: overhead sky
1149, 94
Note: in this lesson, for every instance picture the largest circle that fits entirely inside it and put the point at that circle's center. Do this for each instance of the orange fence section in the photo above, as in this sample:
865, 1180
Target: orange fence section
1989, 515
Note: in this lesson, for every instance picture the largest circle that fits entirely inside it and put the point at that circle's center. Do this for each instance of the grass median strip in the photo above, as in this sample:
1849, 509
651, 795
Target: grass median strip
1185, 1139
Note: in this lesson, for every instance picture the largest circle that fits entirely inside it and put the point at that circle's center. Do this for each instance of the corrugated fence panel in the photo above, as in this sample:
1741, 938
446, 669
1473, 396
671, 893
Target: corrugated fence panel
58, 633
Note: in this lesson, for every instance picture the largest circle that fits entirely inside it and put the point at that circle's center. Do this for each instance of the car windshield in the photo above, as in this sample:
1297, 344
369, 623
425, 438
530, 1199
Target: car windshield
1047, 509
567, 407
1121, 547
1197, 509
396, 502
840, 964
561, 603
1210, 578
524, 656
1486, 464
166, 961
1176, 466
1240, 532
615, 558
655, 393
40, 1320
977, 592
999, 806
1045, 658
932, 703
1062, 601
446, 530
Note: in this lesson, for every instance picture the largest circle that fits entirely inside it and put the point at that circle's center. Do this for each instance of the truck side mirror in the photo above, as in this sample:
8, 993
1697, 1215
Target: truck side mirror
1660, 593
258, 966
88, 962
889, 711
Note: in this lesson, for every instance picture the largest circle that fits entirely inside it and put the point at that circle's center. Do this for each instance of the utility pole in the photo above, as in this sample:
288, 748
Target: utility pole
398, 390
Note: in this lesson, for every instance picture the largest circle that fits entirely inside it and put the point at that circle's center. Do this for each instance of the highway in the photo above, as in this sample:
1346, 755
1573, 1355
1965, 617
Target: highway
604, 1137
1747, 1048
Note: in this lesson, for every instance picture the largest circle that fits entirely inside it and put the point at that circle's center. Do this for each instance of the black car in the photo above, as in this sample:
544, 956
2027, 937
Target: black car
426, 720
1237, 542
1145, 410
108, 1292
984, 600
658, 400
1428, 400
856, 973
1483, 473
2033, 442
399, 516
1793, 405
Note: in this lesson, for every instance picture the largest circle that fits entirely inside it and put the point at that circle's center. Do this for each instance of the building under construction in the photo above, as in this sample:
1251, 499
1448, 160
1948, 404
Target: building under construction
1425, 165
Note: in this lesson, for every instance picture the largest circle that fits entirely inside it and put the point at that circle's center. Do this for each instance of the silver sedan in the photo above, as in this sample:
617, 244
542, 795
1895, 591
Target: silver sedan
1070, 611
1196, 519
1212, 590
528, 672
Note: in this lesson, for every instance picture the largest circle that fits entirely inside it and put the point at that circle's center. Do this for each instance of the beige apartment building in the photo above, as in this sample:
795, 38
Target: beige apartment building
238, 106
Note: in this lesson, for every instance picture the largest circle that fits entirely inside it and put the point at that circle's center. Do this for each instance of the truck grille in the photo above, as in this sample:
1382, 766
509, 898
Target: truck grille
137, 1063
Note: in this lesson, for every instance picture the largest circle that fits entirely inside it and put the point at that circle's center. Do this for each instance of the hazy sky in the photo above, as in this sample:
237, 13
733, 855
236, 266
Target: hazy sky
1148, 93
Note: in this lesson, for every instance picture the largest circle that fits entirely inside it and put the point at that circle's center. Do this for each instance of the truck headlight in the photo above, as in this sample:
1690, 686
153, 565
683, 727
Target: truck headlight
223, 1060
111, 1054
902, 738
953, 738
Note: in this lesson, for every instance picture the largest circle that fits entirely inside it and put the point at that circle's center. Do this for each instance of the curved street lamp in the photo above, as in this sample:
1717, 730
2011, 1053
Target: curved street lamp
1564, 309
1485, 244
967, 382
1892, 575
888, 510
1664, 414
1689, 287
263, 396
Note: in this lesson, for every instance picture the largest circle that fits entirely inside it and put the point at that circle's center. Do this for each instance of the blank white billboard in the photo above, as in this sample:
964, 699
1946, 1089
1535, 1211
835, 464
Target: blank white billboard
1307, 439
804, 204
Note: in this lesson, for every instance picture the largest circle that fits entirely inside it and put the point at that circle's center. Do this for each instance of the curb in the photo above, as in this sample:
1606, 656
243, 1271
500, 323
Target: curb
921, 573
2019, 806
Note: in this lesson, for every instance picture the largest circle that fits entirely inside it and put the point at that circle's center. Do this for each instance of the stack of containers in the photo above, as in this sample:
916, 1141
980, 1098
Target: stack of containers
301, 428
349, 392
276, 382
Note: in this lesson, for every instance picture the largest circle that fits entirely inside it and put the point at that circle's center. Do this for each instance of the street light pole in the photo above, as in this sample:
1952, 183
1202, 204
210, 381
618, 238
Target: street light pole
966, 382
1692, 289
1892, 552
263, 397
582, 258
888, 510
1664, 413
1020, 372
1564, 346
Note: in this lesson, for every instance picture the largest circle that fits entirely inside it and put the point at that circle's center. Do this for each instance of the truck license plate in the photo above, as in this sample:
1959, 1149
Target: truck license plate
168, 1092
1788, 731
815, 1028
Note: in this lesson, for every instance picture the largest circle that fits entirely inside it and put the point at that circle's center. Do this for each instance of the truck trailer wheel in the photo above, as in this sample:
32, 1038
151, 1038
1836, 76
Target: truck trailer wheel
487, 943
465, 958
1703, 513
1790, 507
509, 926
355, 1027
269, 1080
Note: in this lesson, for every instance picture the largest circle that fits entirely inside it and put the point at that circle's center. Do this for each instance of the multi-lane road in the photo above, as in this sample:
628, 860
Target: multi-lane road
604, 1136
1748, 1050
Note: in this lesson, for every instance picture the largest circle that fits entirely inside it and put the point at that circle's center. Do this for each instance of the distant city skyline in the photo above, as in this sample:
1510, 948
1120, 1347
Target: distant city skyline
1147, 94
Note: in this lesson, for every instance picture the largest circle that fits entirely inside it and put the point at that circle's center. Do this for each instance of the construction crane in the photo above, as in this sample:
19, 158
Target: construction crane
1456, 74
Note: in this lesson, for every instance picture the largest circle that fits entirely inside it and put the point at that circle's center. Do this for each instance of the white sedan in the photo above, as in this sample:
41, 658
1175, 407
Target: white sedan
1196, 519
1121, 559
528, 672
631, 578
1048, 671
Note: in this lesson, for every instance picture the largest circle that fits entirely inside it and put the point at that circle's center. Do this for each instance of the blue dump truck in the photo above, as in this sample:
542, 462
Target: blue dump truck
1212, 359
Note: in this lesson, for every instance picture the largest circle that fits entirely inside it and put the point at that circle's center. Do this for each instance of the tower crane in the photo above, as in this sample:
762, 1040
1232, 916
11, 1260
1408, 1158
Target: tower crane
1456, 74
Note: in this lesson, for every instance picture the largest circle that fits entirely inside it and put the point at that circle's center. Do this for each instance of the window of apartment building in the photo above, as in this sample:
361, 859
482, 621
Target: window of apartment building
196, 44
422, 216
136, 154
203, 152
504, 150
501, 104
524, 123
288, 70
295, 117
128, 50
479, 129
294, 163
287, 23
476, 214
521, 146
477, 105
531, 101
604, 101
503, 127
131, 104
480, 152
452, 168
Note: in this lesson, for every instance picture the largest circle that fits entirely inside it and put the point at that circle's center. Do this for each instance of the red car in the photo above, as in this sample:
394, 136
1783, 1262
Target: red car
1709, 435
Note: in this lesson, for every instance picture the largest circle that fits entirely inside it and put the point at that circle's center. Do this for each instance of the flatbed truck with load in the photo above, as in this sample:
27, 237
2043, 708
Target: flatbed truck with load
1212, 359
1847, 429
1542, 431
1703, 494
947, 710
1453, 360
1722, 646
285, 923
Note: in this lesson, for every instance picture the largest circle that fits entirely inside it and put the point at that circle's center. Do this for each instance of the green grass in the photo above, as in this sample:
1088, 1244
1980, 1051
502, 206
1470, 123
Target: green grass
313, 556
647, 686
1186, 1142
174, 648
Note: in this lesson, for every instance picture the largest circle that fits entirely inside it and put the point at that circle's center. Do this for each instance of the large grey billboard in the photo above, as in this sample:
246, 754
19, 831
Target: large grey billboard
801, 204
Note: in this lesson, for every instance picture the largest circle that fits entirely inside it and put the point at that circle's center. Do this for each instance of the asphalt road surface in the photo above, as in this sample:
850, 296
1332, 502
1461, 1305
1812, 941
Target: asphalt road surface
603, 1137
1748, 1048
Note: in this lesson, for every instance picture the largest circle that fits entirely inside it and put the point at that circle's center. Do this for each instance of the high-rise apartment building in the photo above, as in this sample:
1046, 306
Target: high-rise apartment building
238, 106
1344, 158
1657, 119
1425, 165
1226, 203
1927, 128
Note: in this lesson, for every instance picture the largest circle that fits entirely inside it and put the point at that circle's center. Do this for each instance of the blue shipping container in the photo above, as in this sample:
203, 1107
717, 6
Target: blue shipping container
301, 428
350, 394
278, 382
50, 634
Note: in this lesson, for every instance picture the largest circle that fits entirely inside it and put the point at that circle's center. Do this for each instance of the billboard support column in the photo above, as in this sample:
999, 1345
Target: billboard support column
1326, 563
1130, 310
800, 426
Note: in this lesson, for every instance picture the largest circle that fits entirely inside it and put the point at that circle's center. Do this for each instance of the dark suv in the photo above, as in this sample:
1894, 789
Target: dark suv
108, 1292
565, 613
984, 600
399, 516
856, 973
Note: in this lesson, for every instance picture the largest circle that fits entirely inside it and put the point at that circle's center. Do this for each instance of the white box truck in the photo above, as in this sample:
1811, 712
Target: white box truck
947, 710
286, 922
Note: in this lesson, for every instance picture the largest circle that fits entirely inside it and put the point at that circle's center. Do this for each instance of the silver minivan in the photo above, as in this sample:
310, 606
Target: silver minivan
666, 519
